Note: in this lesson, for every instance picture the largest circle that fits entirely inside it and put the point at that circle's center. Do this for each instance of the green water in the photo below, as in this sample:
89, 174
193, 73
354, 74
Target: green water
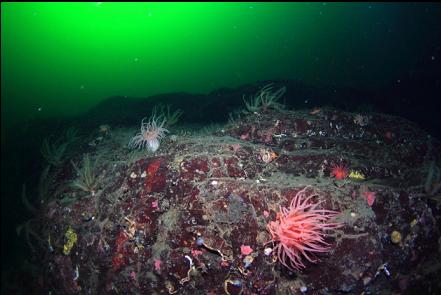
63, 58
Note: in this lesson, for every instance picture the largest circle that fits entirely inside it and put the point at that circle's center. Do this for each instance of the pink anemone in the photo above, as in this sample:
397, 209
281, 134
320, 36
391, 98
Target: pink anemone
299, 231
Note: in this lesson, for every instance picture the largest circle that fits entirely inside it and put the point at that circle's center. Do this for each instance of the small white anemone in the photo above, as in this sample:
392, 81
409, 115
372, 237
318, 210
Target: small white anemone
152, 132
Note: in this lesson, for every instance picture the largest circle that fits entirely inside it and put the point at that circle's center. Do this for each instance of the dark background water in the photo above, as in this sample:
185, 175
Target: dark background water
89, 64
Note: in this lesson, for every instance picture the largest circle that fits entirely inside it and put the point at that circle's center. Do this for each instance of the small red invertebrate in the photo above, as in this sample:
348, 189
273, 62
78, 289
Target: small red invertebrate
370, 197
157, 263
246, 250
339, 172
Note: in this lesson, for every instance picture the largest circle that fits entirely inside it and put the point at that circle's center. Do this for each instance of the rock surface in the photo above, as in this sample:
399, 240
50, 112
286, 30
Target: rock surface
174, 222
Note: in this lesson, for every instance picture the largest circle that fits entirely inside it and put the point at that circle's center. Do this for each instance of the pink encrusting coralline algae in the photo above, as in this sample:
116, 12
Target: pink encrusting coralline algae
300, 230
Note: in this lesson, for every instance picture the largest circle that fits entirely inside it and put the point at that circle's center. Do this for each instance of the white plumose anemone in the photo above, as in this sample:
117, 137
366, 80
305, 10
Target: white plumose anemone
151, 134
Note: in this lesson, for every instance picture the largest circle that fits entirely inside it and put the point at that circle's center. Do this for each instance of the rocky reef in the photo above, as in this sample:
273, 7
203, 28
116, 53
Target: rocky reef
192, 217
